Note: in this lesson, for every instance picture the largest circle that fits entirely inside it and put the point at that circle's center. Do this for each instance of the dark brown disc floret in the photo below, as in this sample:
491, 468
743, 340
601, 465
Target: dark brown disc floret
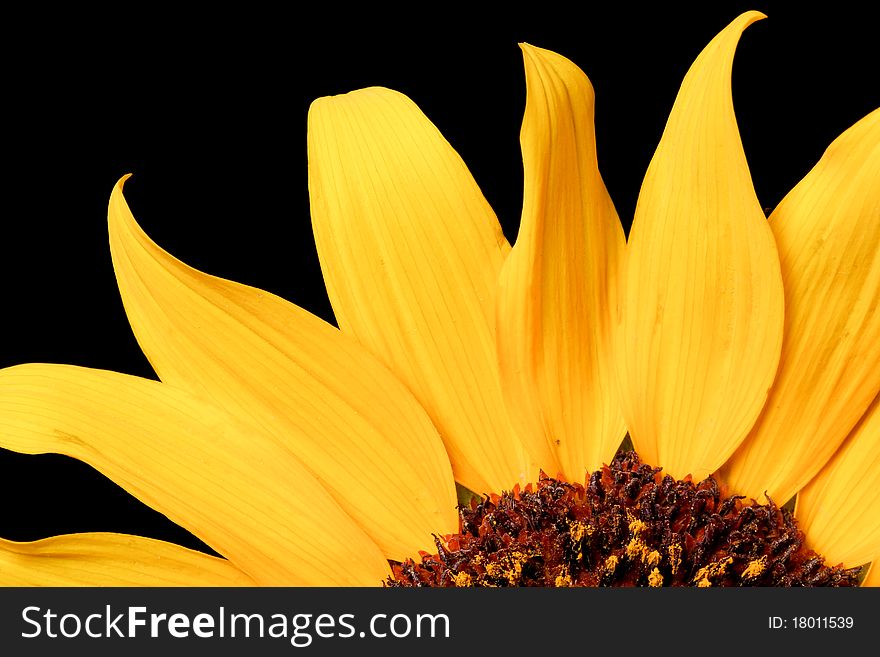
629, 525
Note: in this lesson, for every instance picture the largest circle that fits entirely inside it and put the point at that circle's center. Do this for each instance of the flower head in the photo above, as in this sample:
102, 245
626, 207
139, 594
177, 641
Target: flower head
306, 454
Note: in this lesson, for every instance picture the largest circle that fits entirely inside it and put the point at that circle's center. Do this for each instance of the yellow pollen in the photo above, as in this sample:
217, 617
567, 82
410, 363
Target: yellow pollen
611, 563
636, 526
462, 580
563, 581
704, 575
514, 574
577, 530
755, 568
635, 549
655, 579
675, 557
509, 567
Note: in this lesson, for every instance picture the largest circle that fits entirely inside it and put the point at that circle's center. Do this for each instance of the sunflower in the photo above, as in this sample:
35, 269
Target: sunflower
731, 349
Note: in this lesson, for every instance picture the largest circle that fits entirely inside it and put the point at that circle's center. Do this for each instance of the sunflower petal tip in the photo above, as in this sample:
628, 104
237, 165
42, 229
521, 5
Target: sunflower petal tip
118, 210
536, 59
738, 25
323, 103
536, 53
375, 90
532, 55
316, 103
747, 18
119, 184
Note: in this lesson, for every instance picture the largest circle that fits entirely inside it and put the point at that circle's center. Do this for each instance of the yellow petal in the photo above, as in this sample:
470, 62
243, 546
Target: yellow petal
703, 308
827, 230
112, 560
872, 577
298, 379
556, 288
839, 510
241, 493
411, 254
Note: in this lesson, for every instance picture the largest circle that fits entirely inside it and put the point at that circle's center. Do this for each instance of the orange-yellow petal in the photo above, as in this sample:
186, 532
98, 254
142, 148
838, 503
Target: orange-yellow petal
557, 286
411, 254
314, 390
872, 577
827, 230
839, 510
112, 560
703, 307
241, 493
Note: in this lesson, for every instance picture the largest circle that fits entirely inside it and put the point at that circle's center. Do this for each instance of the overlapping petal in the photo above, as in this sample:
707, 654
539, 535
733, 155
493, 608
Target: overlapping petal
411, 252
557, 287
703, 309
298, 379
839, 510
102, 559
828, 233
872, 577
240, 492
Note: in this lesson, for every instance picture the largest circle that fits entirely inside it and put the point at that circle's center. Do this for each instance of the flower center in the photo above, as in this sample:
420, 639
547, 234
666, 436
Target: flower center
629, 526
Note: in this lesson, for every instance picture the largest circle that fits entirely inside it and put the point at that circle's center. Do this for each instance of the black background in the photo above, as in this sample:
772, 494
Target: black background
209, 114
